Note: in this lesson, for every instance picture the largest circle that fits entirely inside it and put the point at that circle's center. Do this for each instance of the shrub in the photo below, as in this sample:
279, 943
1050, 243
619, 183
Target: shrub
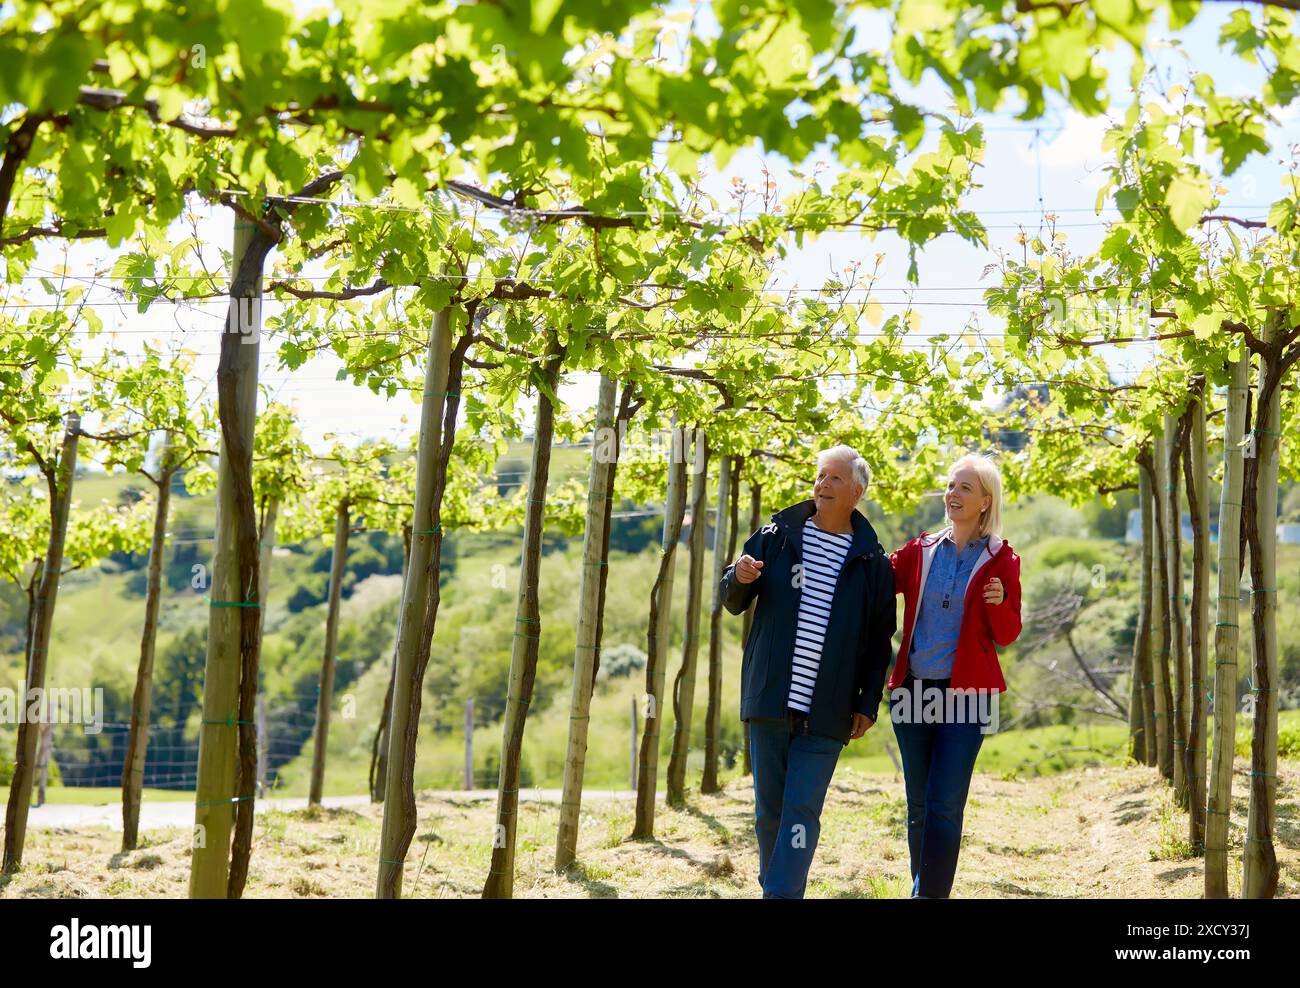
1063, 550
1288, 744
622, 660
310, 592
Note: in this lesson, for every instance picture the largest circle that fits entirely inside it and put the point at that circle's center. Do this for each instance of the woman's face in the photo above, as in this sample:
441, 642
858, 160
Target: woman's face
965, 499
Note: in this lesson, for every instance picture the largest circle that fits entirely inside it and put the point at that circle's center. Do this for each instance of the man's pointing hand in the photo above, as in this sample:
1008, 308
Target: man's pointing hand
748, 569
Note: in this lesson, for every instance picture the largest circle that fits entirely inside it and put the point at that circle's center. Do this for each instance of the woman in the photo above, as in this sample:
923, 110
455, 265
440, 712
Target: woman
961, 595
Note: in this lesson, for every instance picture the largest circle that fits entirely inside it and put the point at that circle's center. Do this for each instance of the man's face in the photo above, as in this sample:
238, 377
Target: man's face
835, 490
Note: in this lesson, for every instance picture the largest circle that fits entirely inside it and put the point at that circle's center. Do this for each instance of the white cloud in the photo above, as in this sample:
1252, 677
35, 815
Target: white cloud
1077, 145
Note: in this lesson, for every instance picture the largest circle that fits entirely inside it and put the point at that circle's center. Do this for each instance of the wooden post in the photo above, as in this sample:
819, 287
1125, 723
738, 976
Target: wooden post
631, 770
1226, 637
684, 684
1149, 547
266, 544
270, 512
325, 691
20, 787
713, 710
399, 801
379, 748
44, 754
469, 743
263, 745
755, 521
1160, 623
1259, 857
1177, 609
528, 626
215, 795
1139, 739
584, 656
1198, 503
658, 632
893, 757
137, 742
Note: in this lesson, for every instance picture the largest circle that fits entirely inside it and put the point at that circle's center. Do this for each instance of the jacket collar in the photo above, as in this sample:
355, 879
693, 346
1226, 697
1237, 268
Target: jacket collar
929, 543
791, 520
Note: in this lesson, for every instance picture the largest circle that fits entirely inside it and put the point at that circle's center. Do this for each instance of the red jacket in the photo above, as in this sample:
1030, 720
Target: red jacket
975, 664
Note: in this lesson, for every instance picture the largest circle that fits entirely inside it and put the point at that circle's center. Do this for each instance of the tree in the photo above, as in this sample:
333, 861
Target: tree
721, 537
356, 491
684, 683
1197, 479
604, 456
1175, 440
747, 623
151, 397
1259, 859
528, 628
658, 629
1226, 635
1214, 282
1141, 709
42, 437
420, 596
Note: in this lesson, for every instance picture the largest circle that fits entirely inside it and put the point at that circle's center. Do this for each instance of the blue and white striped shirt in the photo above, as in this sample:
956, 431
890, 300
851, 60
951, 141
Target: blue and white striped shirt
823, 558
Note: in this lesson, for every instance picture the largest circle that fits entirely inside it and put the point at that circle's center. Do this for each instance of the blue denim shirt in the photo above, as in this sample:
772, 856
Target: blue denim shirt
934, 639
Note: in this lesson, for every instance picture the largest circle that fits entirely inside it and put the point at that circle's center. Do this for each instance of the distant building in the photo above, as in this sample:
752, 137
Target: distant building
1288, 533
1133, 535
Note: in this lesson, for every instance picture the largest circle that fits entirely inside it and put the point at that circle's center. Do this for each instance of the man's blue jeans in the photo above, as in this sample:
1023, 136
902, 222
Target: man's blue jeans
938, 760
792, 771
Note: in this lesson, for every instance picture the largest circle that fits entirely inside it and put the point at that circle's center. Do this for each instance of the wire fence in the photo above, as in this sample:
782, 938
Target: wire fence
94, 756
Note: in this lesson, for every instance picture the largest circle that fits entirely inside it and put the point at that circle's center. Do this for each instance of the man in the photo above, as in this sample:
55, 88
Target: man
815, 661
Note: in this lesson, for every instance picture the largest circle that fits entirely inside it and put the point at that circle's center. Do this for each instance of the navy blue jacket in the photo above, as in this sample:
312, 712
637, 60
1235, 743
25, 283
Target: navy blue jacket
857, 649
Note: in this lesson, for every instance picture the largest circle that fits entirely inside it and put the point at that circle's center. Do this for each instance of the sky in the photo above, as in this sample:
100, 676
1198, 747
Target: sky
1030, 169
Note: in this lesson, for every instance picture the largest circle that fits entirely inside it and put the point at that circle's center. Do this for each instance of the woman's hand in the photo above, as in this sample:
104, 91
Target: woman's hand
993, 592
861, 724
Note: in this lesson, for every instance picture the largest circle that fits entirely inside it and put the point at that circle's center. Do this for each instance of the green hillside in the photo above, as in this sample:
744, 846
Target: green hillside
96, 642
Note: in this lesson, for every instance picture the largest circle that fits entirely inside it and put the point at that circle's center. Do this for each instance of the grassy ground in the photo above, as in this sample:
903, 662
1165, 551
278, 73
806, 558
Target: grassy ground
1109, 832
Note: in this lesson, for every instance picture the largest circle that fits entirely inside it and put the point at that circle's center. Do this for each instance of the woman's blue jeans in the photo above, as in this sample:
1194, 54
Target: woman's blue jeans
938, 759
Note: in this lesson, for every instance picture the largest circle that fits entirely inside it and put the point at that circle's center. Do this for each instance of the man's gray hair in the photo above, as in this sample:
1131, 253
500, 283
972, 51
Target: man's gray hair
861, 472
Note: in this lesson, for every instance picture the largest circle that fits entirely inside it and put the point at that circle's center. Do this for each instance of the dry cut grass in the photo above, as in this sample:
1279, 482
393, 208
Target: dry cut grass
1098, 833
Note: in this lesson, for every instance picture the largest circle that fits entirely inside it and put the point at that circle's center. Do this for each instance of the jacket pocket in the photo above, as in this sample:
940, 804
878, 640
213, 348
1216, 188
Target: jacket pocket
757, 661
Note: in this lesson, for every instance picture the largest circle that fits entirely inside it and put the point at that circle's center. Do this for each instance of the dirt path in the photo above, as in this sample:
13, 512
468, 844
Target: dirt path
153, 816
1105, 833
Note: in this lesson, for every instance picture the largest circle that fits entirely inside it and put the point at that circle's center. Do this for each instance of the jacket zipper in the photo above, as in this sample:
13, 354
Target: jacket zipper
916, 614
798, 551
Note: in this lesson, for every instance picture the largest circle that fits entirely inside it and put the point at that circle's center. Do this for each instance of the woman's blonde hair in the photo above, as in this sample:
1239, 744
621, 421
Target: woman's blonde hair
991, 480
